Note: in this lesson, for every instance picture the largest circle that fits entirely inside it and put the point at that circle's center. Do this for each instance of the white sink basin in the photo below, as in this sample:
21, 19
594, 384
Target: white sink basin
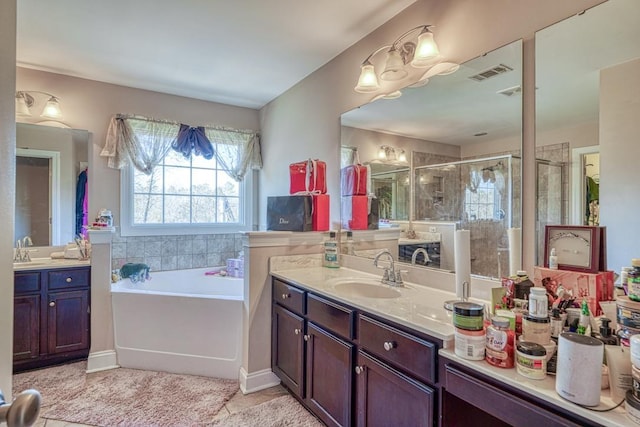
366, 289
29, 264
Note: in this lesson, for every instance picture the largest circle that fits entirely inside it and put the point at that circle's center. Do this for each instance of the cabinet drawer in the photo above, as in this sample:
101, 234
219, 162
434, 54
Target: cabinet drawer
289, 296
72, 278
407, 352
26, 282
334, 317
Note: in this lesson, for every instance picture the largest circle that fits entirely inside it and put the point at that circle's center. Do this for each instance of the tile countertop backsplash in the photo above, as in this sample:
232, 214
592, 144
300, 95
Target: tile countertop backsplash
418, 307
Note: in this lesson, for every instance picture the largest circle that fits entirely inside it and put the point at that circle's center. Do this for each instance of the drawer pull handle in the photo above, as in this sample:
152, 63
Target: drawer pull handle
285, 296
52, 304
68, 279
389, 345
296, 331
306, 337
359, 369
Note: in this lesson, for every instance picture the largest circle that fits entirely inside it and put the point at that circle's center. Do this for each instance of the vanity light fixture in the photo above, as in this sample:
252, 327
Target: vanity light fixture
407, 50
390, 155
25, 101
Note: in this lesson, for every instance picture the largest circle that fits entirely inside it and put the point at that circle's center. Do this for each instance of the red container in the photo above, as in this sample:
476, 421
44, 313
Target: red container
355, 212
353, 180
320, 214
308, 177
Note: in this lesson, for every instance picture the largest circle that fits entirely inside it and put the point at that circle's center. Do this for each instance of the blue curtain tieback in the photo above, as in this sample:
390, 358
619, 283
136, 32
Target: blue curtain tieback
193, 140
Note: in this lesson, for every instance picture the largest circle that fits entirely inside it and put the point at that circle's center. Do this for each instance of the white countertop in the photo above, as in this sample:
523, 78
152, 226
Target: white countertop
546, 390
418, 307
48, 263
421, 308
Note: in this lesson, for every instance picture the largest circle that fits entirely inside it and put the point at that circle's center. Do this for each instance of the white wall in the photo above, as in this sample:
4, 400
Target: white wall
369, 142
90, 105
619, 153
305, 121
7, 189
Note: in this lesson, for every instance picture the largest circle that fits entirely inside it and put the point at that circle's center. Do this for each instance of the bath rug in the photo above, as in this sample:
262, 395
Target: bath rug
133, 397
55, 384
284, 411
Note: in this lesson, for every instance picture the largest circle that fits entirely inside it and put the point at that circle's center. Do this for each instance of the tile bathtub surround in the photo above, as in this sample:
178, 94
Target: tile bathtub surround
176, 252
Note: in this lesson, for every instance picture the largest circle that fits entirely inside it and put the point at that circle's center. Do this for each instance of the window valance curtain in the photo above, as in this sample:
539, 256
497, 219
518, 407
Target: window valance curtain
145, 142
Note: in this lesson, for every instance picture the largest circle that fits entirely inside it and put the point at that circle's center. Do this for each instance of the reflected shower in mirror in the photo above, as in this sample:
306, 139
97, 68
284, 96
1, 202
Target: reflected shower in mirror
463, 133
576, 89
49, 161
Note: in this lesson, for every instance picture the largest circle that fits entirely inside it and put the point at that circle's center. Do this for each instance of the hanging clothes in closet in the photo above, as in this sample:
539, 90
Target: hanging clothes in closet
82, 204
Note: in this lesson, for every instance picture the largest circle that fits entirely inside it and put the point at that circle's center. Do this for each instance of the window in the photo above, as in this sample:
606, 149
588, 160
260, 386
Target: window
483, 203
184, 196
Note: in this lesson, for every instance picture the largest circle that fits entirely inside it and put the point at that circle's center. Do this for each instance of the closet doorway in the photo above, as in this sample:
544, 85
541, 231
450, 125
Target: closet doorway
585, 185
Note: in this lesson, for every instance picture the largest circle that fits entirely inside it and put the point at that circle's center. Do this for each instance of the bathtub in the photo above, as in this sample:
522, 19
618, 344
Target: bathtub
180, 321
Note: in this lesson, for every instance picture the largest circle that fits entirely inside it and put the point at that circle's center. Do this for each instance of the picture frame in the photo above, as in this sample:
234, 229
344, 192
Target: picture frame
578, 247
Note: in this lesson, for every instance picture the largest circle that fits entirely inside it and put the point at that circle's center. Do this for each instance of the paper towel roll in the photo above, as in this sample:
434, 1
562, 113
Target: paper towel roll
515, 250
462, 261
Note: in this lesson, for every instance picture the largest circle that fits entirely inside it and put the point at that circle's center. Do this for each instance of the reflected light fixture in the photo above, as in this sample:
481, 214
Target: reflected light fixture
25, 101
388, 154
405, 50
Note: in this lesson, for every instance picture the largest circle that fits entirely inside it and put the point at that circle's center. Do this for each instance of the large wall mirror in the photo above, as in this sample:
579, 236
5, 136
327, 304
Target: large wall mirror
446, 156
49, 161
577, 61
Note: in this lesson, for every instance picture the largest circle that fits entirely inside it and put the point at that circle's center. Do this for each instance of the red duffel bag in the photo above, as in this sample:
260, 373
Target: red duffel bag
307, 177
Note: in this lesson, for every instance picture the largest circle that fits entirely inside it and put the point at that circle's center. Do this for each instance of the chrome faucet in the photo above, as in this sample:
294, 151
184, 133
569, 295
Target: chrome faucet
390, 276
420, 251
22, 250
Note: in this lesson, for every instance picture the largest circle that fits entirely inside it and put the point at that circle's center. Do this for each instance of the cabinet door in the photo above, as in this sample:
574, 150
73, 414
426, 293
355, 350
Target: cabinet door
287, 349
26, 327
68, 321
329, 380
385, 397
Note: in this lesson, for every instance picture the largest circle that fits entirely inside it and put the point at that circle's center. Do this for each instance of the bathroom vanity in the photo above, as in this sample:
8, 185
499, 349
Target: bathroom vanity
359, 353
51, 312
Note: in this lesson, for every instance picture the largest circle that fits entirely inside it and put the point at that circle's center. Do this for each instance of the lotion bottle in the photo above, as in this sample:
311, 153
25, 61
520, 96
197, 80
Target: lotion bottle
553, 259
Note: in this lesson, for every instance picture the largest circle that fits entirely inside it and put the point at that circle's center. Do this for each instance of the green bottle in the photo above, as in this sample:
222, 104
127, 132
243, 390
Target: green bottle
583, 323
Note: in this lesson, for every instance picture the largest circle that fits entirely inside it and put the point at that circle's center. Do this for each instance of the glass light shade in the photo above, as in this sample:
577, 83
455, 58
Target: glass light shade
368, 81
402, 157
382, 153
394, 68
426, 50
52, 109
22, 110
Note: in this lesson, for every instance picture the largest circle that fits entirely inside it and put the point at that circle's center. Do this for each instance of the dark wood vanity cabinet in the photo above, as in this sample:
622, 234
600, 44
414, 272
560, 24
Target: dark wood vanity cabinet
309, 353
349, 368
469, 395
51, 316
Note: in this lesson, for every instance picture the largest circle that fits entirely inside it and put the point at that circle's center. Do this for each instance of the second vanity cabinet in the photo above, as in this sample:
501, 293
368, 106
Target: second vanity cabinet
51, 316
348, 367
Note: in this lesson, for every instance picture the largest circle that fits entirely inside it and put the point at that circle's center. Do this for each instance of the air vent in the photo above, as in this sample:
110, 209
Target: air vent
510, 91
491, 72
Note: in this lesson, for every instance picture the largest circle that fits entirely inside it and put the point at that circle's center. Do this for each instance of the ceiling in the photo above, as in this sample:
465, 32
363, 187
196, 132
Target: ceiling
569, 56
242, 52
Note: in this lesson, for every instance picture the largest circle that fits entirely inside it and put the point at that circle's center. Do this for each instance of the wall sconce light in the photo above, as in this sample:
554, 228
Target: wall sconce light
25, 101
406, 50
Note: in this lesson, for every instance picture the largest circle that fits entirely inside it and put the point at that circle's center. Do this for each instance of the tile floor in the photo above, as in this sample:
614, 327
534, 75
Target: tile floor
237, 403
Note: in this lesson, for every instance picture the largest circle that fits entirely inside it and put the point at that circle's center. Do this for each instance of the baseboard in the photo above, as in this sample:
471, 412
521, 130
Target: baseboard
101, 361
256, 381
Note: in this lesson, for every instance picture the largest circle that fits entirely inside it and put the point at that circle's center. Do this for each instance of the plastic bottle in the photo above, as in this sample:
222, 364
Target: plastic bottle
349, 243
331, 251
633, 281
583, 323
553, 259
